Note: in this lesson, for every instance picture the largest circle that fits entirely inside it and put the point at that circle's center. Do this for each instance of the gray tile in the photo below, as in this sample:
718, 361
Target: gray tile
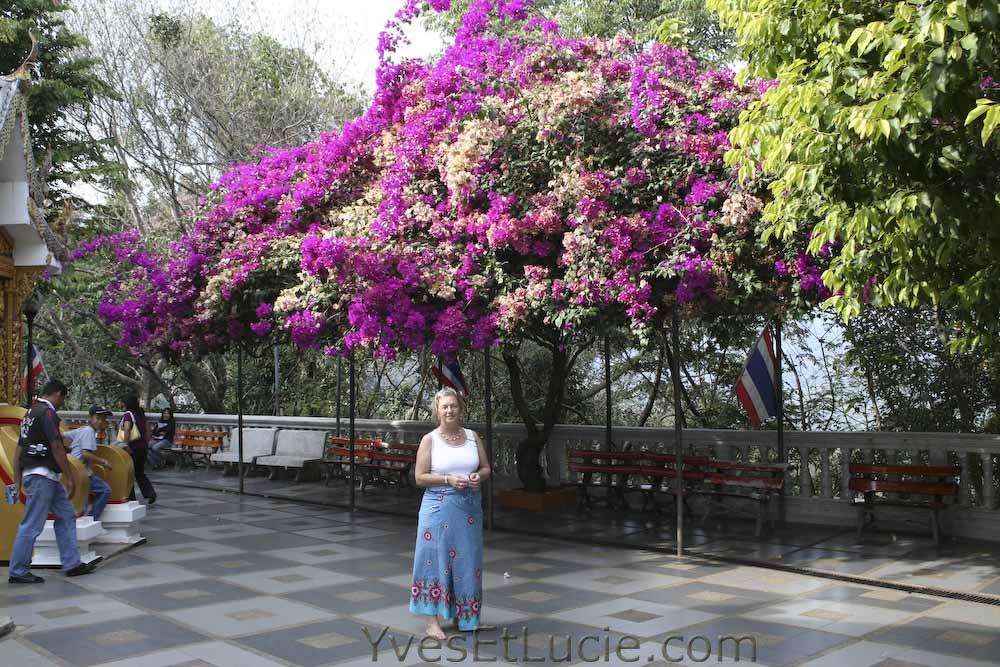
354, 598
384, 565
56, 587
539, 597
316, 644
708, 598
936, 635
267, 542
104, 642
240, 564
195, 593
885, 598
290, 579
251, 616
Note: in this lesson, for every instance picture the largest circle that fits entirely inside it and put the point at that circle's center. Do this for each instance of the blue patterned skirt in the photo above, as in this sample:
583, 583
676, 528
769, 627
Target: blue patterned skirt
448, 559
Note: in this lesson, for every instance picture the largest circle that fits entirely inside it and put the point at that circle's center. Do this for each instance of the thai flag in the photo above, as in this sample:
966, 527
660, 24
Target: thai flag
756, 387
36, 368
450, 375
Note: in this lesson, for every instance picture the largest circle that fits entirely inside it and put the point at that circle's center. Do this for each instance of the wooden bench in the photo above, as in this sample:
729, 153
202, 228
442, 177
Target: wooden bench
658, 474
190, 443
758, 483
613, 469
338, 455
932, 484
390, 463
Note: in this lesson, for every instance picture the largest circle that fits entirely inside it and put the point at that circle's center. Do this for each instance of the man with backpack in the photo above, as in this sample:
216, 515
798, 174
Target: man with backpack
39, 459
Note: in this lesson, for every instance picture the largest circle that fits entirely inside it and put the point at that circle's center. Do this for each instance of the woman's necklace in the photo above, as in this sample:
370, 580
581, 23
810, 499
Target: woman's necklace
454, 438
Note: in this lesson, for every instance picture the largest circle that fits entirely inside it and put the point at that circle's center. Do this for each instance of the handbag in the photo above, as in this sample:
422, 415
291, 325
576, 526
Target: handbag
133, 433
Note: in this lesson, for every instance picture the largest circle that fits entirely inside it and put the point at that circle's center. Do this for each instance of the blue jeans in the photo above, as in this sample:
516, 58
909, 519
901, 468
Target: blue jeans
43, 496
154, 450
99, 488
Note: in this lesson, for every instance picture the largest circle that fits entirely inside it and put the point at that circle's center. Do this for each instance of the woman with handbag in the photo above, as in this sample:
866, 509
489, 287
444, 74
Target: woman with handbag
134, 435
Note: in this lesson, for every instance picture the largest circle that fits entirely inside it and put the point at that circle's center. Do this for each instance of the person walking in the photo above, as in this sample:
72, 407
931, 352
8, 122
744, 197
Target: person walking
448, 559
137, 444
42, 471
84, 447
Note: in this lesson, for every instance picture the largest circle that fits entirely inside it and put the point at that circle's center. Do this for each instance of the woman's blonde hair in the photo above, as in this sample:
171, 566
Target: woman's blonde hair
443, 393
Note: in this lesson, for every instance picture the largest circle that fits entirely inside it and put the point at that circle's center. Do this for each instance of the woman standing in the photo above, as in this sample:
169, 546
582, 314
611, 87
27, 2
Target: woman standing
138, 447
448, 559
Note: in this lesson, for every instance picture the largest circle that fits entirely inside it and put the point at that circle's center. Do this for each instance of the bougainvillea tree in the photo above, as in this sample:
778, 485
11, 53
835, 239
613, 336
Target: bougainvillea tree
522, 187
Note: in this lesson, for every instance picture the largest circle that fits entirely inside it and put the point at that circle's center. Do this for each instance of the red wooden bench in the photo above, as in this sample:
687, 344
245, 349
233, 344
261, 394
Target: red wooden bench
612, 471
931, 485
758, 483
190, 443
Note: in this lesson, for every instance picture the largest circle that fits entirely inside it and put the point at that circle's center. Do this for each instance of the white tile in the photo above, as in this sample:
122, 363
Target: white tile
767, 581
290, 580
111, 578
668, 617
855, 620
70, 612
173, 553
968, 612
17, 654
248, 617
612, 580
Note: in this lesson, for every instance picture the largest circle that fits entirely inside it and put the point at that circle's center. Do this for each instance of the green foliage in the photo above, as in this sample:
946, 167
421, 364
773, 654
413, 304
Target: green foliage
872, 141
63, 82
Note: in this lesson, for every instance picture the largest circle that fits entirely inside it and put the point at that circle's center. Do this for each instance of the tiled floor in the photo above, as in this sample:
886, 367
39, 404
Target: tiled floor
254, 582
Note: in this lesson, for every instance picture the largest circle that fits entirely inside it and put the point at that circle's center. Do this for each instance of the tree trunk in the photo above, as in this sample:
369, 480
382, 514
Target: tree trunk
208, 386
529, 450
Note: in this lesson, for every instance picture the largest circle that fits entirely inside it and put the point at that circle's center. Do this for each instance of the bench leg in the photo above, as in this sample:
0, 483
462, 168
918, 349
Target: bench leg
936, 527
862, 511
273, 474
759, 522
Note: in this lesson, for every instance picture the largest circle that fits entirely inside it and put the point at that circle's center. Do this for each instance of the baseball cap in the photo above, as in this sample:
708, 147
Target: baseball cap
99, 410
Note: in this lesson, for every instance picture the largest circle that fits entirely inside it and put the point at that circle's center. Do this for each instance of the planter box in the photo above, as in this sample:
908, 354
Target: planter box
555, 498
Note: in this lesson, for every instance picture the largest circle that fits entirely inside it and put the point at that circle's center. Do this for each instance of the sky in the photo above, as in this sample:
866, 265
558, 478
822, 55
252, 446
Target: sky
341, 34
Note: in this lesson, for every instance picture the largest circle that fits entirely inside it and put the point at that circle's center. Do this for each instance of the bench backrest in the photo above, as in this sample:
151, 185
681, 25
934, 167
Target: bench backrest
300, 442
341, 447
191, 437
908, 479
256, 442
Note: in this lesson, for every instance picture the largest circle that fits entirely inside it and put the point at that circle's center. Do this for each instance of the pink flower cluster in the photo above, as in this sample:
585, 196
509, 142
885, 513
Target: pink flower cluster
522, 180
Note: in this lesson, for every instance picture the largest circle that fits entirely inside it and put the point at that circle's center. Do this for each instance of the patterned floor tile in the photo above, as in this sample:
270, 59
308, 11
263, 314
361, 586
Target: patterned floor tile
23, 655
871, 654
886, 598
123, 638
170, 597
937, 635
344, 533
289, 579
541, 597
378, 567
248, 617
354, 598
843, 618
635, 617
113, 577
248, 561
326, 553
709, 598
398, 618
70, 612
319, 643
769, 581
269, 540
968, 612
224, 531
210, 654
259, 515
187, 551
57, 587
613, 580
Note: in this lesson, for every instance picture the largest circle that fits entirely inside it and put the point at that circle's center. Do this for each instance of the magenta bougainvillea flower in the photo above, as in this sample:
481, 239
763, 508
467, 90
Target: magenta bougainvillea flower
524, 180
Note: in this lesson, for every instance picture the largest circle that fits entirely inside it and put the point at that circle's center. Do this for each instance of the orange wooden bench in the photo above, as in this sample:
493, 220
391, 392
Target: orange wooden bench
930, 484
759, 483
190, 443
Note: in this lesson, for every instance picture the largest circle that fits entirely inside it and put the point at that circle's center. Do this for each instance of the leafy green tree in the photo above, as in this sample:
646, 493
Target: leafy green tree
880, 138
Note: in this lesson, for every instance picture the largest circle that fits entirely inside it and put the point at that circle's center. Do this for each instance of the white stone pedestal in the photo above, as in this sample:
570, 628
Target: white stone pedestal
47, 550
121, 523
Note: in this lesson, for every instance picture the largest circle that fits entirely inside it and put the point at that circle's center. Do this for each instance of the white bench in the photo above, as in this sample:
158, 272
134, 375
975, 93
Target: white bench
295, 449
257, 442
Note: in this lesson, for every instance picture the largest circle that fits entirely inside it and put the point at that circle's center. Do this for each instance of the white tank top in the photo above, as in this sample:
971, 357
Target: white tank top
454, 459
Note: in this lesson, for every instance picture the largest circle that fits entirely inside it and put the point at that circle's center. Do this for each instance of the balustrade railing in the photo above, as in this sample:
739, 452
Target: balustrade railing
816, 486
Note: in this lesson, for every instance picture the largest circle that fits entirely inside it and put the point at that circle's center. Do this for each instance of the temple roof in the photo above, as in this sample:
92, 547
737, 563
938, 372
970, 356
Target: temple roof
20, 216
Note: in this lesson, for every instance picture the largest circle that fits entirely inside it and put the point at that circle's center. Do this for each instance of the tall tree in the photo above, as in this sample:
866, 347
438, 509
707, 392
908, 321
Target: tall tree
880, 142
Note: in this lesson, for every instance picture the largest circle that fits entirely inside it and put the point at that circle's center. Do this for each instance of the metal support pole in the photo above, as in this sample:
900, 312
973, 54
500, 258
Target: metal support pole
608, 444
29, 378
779, 395
488, 406
340, 377
353, 399
675, 374
277, 381
239, 409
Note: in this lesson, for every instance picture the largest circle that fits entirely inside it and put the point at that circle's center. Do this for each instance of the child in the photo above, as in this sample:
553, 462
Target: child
84, 447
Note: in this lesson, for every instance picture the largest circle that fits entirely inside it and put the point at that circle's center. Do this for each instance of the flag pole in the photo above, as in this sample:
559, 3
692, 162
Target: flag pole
780, 407
675, 374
